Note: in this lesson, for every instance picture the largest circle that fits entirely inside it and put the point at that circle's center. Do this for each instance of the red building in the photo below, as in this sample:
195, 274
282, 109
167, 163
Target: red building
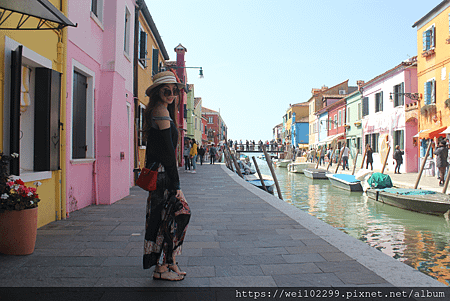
216, 130
336, 118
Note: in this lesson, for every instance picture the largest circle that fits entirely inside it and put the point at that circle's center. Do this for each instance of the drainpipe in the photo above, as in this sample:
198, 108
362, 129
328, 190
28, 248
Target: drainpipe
136, 84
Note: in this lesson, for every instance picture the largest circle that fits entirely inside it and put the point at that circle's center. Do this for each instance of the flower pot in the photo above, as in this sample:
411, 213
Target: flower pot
18, 230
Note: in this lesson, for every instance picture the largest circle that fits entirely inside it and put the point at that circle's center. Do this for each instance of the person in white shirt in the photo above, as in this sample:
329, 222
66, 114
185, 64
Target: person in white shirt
345, 151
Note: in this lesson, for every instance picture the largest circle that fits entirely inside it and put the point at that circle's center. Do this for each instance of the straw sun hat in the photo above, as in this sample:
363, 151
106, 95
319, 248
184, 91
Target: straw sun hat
162, 78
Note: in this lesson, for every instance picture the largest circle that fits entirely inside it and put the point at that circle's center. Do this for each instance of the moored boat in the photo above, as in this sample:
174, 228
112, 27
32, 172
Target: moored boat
299, 165
254, 180
314, 173
423, 201
282, 163
344, 181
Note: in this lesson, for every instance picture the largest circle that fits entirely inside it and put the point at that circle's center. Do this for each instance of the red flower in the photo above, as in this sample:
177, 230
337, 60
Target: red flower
20, 182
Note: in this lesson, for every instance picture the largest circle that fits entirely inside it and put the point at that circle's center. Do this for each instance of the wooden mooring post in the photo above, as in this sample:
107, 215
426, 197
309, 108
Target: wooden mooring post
331, 157
423, 165
269, 163
259, 173
339, 161
364, 157
354, 164
386, 158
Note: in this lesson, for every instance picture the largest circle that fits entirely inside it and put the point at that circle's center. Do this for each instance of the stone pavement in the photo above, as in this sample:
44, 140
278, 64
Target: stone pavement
239, 236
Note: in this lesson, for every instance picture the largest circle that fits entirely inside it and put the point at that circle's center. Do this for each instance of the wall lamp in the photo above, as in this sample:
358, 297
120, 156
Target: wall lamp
200, 75
412, 96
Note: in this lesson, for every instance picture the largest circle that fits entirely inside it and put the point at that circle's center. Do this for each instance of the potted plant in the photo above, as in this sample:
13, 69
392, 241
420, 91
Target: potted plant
18, 212
447, 103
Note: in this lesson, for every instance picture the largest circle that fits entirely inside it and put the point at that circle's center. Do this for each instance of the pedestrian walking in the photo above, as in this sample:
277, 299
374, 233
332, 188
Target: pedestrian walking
369, 159
398, 157
345, 151
201, 153
322, 156
441, 153
167, 212
193, 155
212, 154
187, 160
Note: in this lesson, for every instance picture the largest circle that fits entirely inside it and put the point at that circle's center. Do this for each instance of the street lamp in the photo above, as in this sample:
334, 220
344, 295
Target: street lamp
200, 75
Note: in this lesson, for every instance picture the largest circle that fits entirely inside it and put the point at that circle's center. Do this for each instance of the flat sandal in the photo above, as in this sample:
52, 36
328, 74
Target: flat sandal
173, 276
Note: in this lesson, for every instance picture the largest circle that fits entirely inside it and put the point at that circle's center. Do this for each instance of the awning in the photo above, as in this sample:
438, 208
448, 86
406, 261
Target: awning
33, 13
447, 131
417, 135
330, 139
430, 134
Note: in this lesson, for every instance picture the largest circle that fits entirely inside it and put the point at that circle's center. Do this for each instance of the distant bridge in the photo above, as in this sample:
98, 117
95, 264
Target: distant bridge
250, 148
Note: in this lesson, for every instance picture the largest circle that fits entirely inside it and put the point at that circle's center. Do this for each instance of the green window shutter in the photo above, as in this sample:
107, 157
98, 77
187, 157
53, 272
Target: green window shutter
46, 120
16, 82
424, 41
432, 36
381, 101
402, 96
433, 91
155, 56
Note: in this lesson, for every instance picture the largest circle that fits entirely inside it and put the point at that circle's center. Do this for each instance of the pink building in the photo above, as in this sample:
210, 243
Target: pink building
99, 102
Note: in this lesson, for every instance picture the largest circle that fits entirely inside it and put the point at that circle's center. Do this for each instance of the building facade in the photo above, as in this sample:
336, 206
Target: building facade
433, 74
383, 110
33, 101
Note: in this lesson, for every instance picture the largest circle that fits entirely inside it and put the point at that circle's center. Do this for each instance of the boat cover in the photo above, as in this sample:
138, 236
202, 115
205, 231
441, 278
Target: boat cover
347, 178
379, 180
408, 191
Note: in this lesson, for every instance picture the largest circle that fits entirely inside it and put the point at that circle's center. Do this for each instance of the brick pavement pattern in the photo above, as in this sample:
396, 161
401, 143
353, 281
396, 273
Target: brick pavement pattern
236, 238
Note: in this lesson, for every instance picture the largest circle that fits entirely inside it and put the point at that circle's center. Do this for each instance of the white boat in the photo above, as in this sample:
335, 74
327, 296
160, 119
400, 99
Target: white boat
282, 162
299, 165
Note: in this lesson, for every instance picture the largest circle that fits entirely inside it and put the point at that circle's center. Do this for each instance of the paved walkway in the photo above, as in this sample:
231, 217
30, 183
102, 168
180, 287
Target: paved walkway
239, 236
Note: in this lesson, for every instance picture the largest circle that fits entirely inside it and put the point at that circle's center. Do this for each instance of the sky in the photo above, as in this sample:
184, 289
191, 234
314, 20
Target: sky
260, 56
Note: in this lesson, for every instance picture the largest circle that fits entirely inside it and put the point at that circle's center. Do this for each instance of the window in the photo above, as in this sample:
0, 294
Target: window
340, 118
365, 106
430, 92
379, 102
342, 92
97, 9
34, 113
399, 98
399, 139
359, 111
348, 116
210, 119
335, 120
142, 47
428, 38
126, 43
372, 140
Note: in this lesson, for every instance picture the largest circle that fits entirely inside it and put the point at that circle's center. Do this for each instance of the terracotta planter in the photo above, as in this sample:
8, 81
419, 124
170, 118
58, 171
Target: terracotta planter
18, 231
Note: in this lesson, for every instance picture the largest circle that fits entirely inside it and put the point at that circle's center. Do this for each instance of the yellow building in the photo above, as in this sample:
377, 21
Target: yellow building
32, 94
300, 110
433, 71
151, 57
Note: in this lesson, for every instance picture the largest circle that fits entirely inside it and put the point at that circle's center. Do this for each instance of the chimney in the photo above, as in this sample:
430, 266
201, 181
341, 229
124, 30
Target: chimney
181, 50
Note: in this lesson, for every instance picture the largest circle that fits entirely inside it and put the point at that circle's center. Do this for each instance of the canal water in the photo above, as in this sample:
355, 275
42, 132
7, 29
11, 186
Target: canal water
422, 241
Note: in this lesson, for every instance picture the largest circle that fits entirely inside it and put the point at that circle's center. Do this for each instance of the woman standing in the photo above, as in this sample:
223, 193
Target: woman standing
398, 156
167, 213
193, 155
441, 153
369, 158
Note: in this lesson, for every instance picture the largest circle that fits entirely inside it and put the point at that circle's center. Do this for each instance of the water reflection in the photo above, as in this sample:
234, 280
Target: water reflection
419, 240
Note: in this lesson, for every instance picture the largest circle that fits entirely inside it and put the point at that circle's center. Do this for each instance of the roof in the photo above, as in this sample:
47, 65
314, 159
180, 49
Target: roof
197, 100
208, 111
432, 12
403, 65
301, 104
153, 28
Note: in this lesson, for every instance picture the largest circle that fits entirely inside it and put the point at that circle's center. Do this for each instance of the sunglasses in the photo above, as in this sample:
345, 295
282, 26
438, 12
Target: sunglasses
168, 92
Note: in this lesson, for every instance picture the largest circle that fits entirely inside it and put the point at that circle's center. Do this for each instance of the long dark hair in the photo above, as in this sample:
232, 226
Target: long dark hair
154, 98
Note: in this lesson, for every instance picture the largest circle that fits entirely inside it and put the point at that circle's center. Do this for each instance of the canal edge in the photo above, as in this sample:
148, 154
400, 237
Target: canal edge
395, 272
